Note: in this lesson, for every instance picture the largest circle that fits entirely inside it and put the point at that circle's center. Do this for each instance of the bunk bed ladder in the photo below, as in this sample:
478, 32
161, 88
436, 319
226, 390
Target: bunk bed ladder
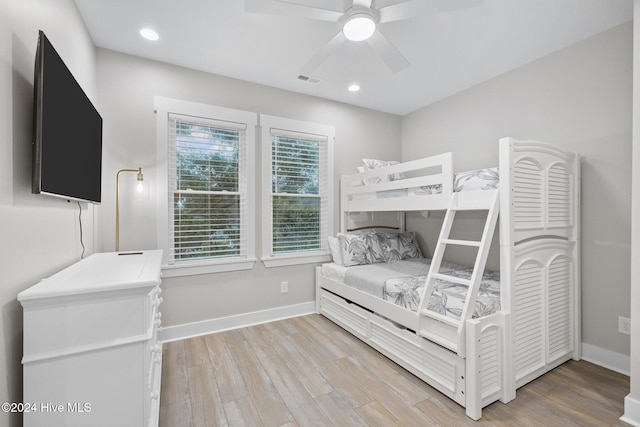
446, 330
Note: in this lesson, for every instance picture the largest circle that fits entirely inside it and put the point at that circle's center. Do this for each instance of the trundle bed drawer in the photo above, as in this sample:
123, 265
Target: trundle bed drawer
439, 367
348, 315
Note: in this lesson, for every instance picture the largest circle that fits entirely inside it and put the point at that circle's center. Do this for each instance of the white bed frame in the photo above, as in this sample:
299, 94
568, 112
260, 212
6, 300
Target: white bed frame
478, 361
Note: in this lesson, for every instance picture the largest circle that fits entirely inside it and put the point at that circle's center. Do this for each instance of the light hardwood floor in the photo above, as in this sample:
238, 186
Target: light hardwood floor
308, 371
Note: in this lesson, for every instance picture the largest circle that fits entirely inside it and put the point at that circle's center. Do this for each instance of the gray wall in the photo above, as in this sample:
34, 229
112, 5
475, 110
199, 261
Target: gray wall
580, 99
39, 235
126, 87
632, 401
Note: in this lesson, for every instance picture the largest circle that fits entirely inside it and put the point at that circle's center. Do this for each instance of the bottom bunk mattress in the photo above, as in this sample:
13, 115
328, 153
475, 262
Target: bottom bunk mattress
402, 282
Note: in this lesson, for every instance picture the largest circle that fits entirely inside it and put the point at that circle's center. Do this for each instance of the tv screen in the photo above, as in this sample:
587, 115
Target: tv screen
67, 150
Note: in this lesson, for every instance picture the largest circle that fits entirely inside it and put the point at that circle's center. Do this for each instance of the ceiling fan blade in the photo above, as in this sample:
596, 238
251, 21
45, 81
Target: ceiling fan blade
388, 52
362, 3
416, 8
287, 8
323, 53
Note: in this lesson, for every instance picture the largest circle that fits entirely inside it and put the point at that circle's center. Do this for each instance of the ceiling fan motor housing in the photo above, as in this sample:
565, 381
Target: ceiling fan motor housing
359, 23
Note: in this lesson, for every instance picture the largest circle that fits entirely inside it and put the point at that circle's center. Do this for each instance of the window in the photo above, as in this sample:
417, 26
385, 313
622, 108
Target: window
205, 187
297, 191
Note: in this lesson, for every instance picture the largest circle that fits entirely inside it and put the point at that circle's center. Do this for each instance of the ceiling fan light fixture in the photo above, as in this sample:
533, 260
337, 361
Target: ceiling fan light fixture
359, 27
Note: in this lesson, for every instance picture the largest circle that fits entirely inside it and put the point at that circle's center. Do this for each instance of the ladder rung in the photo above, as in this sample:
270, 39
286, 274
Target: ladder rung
451, 345
441, 317
479, 206
462, 242
453, 279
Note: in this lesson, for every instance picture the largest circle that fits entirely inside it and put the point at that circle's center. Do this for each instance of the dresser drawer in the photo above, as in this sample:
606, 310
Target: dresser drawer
69, 325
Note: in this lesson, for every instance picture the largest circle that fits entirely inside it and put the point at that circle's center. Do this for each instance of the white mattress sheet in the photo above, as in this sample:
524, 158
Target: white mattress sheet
334, 271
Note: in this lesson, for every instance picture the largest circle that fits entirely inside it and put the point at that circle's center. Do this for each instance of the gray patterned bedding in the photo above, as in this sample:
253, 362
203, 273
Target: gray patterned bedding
481, 179
402, 282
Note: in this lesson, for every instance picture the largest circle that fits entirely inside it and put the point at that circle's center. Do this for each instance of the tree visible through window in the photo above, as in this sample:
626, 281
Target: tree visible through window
296, 197
207, 195
206, 187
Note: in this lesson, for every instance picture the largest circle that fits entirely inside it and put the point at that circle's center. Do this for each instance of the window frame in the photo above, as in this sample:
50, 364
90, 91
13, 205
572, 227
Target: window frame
163, 107
267, 123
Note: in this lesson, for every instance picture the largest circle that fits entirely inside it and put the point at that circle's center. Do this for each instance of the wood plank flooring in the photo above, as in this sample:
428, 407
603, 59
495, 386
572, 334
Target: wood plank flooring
307, 371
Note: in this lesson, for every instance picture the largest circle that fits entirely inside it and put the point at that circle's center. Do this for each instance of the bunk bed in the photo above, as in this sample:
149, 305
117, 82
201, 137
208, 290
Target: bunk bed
474, 358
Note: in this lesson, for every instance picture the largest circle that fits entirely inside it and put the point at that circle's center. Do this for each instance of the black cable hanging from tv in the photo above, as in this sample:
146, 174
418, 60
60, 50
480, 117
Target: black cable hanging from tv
80, 222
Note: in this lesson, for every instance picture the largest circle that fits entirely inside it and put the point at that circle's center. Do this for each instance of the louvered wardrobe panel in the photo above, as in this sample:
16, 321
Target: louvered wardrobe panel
560, 333
559, 210
528, 312
491, 363
528, 195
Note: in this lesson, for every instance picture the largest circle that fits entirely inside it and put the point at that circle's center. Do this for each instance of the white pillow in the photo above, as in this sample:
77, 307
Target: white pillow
336, 252
370, 164
360, 169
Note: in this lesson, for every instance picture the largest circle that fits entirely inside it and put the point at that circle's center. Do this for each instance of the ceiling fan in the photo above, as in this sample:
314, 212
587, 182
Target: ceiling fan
360, 21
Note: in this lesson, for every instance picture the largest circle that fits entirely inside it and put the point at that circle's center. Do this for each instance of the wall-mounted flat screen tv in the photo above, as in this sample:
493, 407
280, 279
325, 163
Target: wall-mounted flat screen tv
67, 146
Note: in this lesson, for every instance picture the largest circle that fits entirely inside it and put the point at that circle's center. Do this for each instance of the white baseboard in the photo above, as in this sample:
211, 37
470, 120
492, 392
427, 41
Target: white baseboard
606, 358
205, 327
631, 411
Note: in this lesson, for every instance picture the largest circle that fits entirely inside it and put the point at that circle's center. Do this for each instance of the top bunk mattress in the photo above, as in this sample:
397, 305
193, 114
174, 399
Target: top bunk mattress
402, 283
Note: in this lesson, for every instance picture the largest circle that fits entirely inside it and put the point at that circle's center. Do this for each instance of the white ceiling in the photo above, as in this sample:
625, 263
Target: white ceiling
448, 51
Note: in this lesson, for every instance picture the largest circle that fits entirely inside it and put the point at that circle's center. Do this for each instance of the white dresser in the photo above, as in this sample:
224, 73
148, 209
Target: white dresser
91, 353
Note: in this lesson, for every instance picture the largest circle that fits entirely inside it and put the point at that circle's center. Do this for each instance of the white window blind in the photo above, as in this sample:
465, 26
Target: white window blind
298, 192
207, 186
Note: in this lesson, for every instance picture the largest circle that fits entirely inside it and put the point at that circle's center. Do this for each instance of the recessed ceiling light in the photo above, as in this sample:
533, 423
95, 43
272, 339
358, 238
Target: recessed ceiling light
359, 27
354, 87
149, 34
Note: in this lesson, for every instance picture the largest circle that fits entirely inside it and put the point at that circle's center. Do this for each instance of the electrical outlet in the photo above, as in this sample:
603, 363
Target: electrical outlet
624, 325
284, 287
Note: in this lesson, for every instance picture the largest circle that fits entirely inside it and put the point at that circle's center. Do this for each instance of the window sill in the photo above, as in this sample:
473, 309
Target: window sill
200, 267
297, 259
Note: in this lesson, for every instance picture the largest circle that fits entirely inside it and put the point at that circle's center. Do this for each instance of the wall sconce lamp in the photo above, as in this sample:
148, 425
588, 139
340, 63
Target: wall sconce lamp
139, 189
